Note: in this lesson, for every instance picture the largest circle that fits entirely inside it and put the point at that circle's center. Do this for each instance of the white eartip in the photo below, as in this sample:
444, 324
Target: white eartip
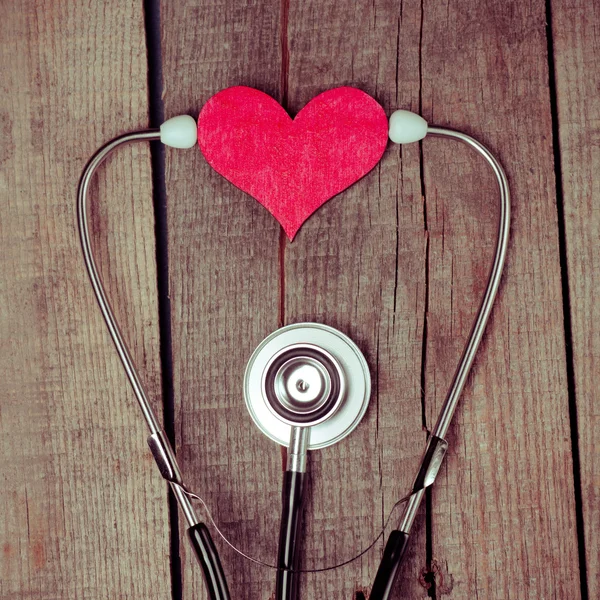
407, 127
179, 132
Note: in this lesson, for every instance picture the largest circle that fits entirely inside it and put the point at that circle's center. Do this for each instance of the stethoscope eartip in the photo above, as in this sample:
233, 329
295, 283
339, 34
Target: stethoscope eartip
179, 132
406, 127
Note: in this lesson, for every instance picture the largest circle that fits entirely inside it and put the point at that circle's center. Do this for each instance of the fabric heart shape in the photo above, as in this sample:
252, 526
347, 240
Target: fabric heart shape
292, 166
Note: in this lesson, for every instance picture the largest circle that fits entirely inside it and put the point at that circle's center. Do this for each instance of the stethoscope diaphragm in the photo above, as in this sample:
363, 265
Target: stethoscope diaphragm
307, 375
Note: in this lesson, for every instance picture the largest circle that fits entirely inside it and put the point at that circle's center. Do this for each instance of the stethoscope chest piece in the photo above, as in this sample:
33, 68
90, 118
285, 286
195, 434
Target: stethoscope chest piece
307, 375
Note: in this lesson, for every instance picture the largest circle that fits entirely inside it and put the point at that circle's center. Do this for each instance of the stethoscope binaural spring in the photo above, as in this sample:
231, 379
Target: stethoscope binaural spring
306, 386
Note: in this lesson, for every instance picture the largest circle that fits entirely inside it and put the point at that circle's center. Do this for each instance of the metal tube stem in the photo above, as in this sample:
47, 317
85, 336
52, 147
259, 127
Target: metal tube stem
299, 440
96, 280
468, 355
104, 303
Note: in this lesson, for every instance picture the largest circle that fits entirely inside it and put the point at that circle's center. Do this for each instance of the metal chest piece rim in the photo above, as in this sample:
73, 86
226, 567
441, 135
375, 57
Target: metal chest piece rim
307, 375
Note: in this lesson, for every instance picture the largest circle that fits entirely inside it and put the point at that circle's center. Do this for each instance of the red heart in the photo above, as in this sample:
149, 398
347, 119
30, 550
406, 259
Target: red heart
293, 166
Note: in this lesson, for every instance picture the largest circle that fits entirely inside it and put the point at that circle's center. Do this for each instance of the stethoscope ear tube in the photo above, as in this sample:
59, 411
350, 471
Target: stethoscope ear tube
206, 553
437, 445
199, 536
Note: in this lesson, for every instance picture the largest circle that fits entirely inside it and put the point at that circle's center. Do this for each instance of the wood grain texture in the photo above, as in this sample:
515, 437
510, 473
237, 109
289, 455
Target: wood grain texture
83, 512
375, 262
503, 521
576, 55
224, 289
398, 262
359, 265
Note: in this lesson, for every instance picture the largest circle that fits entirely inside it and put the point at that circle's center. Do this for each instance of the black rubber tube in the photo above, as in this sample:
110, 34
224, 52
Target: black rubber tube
388, 568
206, 553
286, 586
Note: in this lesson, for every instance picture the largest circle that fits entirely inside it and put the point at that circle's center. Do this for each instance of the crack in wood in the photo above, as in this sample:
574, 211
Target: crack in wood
283, 92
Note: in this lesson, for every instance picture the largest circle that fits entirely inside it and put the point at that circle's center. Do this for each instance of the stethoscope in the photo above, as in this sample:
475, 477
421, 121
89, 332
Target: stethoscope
306, 386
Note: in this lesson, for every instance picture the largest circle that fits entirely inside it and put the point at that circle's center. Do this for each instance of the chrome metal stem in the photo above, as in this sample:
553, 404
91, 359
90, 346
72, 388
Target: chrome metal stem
297, 450
468, 355
185, 503
410, 511
108, 314
96, 280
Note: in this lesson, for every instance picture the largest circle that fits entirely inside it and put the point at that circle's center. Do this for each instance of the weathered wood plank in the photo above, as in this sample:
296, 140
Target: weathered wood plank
576, 55
385, 314
358, 265
503, 522
83, 511
224, 287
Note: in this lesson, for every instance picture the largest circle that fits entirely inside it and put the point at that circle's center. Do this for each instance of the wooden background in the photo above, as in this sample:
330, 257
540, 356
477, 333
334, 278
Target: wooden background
199, 273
